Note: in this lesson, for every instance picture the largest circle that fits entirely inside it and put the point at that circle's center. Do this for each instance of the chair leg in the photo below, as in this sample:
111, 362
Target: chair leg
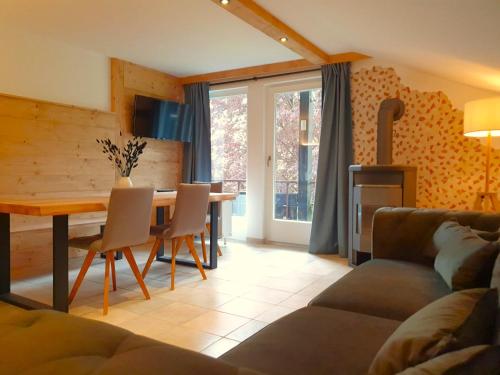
176, 245
192, 250
105, 306
203, 247
83, 271
152, 256
113, 270
219, 252
135, 270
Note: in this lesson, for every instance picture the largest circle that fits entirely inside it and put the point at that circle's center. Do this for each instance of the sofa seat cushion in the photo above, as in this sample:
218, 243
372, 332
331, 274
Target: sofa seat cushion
49, 342
386, 288
314, 340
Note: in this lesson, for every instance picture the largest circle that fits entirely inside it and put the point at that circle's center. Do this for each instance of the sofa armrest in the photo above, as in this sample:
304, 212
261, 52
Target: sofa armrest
406, 233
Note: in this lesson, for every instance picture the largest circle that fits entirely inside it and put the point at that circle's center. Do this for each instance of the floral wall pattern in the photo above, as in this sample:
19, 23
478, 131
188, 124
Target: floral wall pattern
451, 167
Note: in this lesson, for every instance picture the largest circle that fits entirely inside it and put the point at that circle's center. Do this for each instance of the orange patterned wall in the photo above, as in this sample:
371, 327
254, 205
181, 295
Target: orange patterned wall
429, 136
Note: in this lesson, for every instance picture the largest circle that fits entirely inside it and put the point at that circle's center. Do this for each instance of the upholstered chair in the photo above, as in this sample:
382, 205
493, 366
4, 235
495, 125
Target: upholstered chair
189, 219
127, 224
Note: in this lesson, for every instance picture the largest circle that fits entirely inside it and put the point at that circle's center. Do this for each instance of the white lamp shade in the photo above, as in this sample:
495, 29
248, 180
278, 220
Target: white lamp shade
482, 118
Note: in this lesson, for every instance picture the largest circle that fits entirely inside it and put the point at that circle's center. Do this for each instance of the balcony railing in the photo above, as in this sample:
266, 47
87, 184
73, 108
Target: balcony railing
286, 197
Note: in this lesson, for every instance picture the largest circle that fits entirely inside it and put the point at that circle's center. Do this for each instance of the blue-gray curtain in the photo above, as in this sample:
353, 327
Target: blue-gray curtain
197, 164
330, 218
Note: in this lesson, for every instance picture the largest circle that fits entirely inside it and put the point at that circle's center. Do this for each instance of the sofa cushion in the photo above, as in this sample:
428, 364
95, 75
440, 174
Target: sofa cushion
464, 260
454, 322
314, 340
495, 284
49, 342
481, 359
386, 288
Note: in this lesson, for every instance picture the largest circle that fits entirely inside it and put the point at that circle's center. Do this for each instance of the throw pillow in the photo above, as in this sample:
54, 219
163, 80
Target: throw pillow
488, 236
464, 260
475, 360
453, 322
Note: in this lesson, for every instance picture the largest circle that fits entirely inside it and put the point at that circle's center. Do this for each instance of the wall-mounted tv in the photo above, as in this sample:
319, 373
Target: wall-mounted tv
162, 119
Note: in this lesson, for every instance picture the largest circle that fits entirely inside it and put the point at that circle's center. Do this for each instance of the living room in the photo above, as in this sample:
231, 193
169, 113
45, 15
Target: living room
232, 186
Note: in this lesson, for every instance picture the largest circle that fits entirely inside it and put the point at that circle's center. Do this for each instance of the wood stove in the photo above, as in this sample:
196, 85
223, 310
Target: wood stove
374, 186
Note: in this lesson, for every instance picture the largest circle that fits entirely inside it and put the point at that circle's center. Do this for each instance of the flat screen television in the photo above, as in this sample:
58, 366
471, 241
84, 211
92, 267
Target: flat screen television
162, 119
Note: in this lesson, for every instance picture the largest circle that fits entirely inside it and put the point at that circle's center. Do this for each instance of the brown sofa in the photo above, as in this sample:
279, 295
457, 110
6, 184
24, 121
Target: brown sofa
338, 333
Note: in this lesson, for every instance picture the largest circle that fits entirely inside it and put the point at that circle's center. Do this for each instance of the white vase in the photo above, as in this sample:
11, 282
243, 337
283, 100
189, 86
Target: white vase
124, 182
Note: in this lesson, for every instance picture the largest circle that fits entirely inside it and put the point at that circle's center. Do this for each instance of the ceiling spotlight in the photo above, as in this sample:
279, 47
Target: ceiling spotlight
224, 2
283, 39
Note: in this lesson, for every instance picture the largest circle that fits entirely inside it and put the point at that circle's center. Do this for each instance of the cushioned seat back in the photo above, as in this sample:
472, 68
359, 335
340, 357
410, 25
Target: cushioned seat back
129, 217
190, 210
406, 233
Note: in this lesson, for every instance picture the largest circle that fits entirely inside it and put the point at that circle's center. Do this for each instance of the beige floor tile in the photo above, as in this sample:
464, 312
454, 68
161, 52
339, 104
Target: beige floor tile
184, 337
246, 330
217, 323
286, 285
220, 347
198, 314
296, 301
115, 315
244, 307
176, 313
274, 313
262, 294
207, 298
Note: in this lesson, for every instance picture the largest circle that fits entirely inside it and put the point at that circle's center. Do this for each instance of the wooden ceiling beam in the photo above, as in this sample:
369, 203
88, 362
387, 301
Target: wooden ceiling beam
258, 17
262, 71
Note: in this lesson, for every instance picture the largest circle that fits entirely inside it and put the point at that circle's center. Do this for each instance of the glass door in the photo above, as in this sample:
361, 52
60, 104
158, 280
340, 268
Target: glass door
228, 111
294, 123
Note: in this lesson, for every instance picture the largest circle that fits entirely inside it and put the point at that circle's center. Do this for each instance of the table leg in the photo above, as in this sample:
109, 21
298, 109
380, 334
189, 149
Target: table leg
60, 262
214, 217
4, 253
214, 233
160, 219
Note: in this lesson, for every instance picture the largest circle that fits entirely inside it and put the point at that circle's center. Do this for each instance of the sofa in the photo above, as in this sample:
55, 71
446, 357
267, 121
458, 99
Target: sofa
339, 332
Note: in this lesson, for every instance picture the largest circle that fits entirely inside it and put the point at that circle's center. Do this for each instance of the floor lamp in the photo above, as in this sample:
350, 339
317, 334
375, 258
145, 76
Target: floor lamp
482, 120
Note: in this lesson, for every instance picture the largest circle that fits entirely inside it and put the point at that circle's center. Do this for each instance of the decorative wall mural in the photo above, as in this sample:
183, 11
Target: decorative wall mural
429, 135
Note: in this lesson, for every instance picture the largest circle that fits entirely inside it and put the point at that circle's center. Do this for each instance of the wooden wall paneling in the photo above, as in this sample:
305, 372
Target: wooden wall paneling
47, 150
161, 164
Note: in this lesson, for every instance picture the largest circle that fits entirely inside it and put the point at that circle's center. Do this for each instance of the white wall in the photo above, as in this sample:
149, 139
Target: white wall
40, 68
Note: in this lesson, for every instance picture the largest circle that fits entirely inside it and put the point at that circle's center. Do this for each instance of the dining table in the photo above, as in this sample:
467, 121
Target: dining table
60, 209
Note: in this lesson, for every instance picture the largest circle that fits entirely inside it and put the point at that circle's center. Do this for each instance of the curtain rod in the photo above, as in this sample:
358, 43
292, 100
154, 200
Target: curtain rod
265, 76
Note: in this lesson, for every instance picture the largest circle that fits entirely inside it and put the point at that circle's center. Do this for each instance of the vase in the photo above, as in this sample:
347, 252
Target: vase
124, 182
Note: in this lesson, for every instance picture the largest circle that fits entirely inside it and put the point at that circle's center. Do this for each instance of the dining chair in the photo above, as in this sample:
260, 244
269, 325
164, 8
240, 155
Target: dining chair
127, 224
215, 187
188, 219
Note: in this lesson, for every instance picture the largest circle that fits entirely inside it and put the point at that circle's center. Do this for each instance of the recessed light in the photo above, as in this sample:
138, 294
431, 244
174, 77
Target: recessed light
283, 39
224, 2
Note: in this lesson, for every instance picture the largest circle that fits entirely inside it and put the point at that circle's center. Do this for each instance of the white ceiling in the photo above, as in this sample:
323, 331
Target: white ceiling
457, 39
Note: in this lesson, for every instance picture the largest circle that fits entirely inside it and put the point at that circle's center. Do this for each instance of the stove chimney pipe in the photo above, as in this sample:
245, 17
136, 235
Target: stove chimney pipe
390, 110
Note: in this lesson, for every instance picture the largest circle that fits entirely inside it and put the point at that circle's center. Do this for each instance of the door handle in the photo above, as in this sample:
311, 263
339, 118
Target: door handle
269, 161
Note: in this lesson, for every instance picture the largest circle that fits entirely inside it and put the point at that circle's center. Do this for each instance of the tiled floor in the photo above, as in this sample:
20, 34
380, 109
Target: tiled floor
252, 286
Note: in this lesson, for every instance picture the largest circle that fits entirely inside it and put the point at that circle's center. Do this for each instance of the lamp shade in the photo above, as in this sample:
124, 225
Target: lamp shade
482, 118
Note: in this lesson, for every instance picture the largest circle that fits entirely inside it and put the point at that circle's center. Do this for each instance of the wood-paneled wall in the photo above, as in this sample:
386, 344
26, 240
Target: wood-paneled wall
49, 149
161, 164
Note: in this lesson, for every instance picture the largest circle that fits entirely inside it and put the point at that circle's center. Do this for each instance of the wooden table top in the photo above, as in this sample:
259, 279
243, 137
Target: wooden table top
68, 206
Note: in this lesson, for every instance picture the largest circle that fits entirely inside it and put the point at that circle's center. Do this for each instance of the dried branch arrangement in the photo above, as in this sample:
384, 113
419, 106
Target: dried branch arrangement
124, 159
